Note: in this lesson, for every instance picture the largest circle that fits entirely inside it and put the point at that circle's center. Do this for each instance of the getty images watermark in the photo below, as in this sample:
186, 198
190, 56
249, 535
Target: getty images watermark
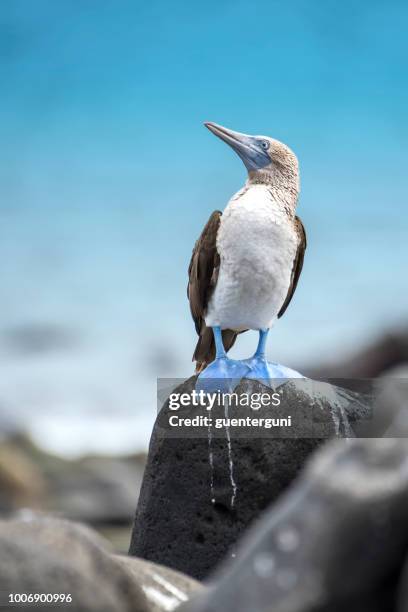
209, 401
292, 408
206, 400
185, 411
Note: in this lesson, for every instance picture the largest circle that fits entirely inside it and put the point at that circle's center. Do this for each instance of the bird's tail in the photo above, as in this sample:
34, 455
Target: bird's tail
204, 352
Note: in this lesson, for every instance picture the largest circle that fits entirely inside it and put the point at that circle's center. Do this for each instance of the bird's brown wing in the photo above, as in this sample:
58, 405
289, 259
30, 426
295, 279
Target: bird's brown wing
202, 278
297, 264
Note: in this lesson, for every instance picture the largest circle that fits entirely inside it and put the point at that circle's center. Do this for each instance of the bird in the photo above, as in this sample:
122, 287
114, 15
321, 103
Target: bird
246, 264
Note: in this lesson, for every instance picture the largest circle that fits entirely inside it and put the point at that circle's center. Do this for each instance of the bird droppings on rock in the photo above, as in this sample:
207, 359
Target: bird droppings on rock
342, 559
200, 493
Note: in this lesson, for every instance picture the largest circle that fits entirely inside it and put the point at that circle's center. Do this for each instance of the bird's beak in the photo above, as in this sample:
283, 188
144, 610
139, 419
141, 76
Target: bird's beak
247, 147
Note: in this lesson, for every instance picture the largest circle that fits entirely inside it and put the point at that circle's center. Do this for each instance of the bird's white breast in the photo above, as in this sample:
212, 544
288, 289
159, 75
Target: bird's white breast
257, 244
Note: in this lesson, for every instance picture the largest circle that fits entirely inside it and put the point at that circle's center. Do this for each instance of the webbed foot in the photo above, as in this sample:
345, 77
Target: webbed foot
270, 374
223, 375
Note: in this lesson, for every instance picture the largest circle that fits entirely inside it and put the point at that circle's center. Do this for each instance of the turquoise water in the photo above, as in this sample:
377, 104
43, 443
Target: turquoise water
107, 177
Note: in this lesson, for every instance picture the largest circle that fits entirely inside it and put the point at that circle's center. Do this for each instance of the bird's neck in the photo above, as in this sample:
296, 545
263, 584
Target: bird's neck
283, 187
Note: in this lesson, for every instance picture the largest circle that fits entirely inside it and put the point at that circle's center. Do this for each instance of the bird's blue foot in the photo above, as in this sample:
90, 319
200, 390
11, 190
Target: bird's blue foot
223, 375
270, 374
260, 369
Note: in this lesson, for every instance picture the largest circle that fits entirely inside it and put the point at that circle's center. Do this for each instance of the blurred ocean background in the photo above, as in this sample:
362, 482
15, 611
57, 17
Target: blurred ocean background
107, 177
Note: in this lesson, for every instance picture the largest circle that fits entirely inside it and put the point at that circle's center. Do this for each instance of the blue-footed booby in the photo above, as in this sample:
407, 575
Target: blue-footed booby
246, 264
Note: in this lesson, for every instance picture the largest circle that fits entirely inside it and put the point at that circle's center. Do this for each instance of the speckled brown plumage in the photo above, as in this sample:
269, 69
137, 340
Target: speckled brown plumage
202, 278
297, 264
280, 181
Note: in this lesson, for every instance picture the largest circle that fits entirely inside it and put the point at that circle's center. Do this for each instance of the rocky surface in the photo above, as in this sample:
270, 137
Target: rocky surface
97, 490
46, 555
336, 541
385, 353
201, 491
164, 589
54, 556
101, 491
21, 480
390, 416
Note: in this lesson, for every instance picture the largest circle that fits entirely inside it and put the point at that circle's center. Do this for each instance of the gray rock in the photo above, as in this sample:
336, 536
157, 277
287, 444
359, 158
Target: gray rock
402, 596
390, 413
94, 489
21, 480
386, 352
97, 490
202, 489
335, 542
164, 589
46, 555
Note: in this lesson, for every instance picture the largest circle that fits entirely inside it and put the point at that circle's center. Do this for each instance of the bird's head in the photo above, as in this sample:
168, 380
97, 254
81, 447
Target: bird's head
267, 160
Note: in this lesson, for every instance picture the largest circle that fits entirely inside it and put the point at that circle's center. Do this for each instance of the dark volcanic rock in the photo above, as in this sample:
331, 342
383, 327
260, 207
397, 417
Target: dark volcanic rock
390, 417
201, 490
335, 542
402, 597
388, 351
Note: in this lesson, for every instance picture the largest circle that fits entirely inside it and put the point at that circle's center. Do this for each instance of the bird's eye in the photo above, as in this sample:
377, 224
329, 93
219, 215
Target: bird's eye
265, 145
